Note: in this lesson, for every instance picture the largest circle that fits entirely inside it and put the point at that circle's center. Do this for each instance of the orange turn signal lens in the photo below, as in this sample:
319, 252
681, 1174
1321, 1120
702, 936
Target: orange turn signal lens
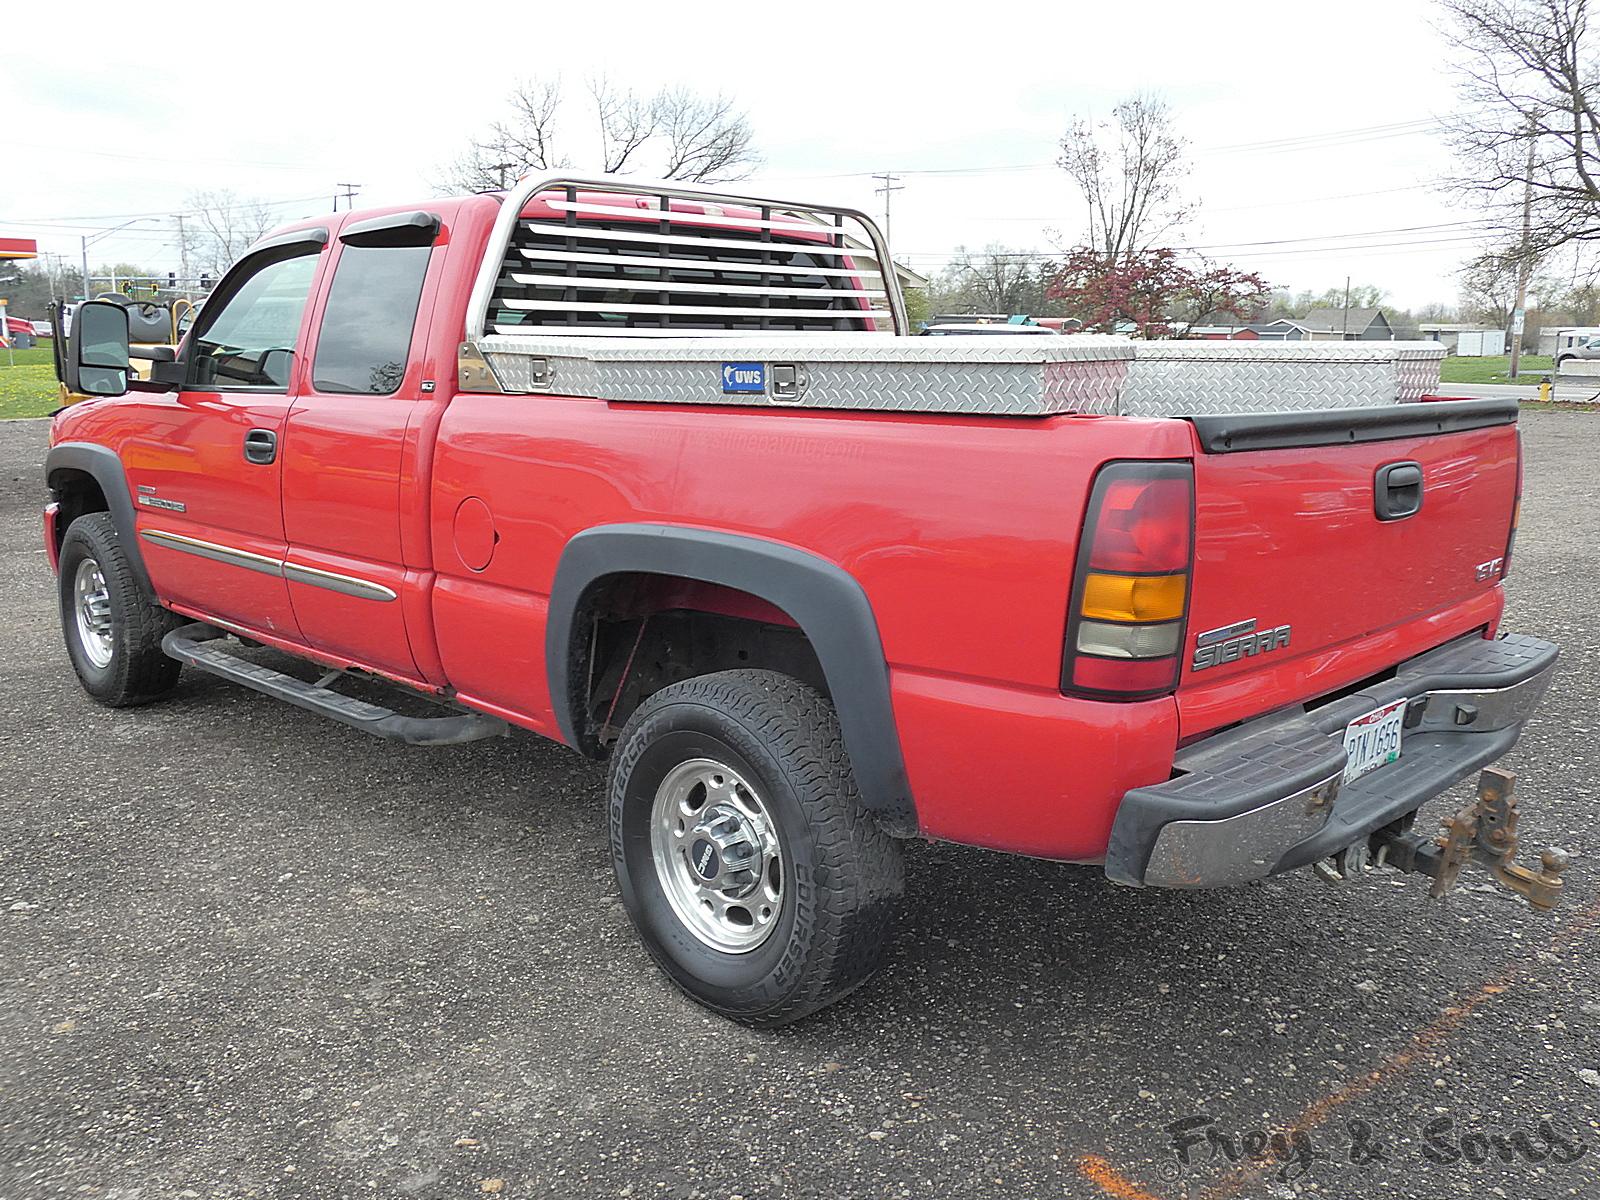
1108, 597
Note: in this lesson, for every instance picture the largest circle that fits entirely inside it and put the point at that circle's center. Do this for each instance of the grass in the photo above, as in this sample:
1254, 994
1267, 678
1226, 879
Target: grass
27, 383
1493, 370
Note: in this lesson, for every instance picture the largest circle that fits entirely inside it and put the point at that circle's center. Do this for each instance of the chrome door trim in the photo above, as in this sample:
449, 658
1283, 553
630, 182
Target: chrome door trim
347, 585
247, 559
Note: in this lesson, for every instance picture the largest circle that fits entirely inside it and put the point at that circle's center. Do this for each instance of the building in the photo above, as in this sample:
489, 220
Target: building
1282, 330
1345, 325
1469, 341
1554, 338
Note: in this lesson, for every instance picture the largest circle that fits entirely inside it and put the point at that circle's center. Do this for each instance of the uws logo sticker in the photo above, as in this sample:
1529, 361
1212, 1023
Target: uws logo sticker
744, 377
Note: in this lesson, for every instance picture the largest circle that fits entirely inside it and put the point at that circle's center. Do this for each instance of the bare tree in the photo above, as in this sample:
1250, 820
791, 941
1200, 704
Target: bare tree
1489, 288
707, 138
626, 123
675, 133
996, 281
220, 226
1528, 134
523, 142
1130, 170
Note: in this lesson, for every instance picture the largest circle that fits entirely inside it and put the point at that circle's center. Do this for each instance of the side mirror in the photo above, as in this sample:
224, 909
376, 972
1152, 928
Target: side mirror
96, 358
276, 367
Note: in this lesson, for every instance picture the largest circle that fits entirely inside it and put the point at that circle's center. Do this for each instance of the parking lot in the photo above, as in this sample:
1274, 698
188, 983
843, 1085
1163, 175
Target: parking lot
244, 952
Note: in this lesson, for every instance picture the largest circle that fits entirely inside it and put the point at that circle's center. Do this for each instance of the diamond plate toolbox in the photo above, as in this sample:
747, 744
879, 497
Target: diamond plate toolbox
1179, 379
981, 375
985, 375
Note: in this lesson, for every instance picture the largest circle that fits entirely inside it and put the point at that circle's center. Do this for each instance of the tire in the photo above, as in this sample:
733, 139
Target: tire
778, 781
116, 647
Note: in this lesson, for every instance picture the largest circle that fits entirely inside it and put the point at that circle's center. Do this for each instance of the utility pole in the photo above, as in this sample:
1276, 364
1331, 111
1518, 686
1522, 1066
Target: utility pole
1346, 334
1519, 314
183, 255
350, 190
891, 185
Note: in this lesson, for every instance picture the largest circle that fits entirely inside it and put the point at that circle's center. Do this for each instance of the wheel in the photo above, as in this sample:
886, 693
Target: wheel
746, 862
113, 630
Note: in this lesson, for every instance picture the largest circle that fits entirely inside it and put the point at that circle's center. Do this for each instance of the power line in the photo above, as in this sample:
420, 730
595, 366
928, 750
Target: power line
236, 162
67, 222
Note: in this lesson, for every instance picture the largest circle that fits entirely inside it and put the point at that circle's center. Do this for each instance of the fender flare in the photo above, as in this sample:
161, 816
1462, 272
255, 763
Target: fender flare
105, 468
825, 601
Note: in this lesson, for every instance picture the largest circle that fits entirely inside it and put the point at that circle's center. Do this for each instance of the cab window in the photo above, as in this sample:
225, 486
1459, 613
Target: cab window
366, 324
248, 343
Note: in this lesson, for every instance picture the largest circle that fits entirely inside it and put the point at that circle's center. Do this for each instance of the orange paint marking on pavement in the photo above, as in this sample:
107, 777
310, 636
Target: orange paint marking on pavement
1111, 1181
1425, 1038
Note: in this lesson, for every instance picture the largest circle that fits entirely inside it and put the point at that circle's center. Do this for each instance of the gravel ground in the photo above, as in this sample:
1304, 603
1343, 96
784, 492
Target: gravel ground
244, 952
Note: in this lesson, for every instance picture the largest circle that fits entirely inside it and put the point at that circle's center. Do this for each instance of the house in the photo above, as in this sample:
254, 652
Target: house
1214, 329
1346, 325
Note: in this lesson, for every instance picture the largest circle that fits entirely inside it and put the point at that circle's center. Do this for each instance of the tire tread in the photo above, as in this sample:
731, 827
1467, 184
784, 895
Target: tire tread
865, 874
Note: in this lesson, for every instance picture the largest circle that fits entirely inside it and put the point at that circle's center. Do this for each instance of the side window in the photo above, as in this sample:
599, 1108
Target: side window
249, 342
366, 324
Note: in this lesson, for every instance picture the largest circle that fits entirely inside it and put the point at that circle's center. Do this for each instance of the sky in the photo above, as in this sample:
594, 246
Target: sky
1314, 129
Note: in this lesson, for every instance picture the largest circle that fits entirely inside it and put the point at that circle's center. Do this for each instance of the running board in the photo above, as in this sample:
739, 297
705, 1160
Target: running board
191, 644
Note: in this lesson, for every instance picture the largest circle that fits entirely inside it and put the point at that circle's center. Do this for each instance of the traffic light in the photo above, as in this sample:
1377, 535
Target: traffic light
172, 281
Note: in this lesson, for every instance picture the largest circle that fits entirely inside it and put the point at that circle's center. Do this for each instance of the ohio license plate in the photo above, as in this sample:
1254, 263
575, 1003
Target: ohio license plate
1373, 740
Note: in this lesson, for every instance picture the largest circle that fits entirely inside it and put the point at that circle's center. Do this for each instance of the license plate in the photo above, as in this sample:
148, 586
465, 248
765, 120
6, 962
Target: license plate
1373, 740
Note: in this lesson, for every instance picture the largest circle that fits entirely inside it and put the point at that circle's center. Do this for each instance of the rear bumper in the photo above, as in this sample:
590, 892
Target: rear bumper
1269, 796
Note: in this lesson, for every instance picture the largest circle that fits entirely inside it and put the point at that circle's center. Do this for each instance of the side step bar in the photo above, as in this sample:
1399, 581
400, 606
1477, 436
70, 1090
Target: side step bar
190, 644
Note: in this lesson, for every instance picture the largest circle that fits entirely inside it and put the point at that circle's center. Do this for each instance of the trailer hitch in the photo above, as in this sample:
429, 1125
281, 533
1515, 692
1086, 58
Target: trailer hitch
1485, 831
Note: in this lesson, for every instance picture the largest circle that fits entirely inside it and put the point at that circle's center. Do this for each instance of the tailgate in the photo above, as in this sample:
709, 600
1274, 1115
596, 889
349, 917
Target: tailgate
1288, 536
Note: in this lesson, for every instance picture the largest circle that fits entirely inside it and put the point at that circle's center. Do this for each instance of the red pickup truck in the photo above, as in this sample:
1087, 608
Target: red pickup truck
655, 471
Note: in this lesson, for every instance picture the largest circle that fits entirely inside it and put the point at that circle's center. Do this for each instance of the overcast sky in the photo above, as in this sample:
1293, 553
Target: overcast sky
108, 116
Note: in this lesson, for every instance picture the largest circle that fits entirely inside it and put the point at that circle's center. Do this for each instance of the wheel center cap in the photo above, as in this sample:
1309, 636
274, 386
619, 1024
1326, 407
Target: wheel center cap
704, 858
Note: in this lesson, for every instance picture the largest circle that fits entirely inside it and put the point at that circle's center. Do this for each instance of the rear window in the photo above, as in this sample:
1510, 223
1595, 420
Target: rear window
366, 326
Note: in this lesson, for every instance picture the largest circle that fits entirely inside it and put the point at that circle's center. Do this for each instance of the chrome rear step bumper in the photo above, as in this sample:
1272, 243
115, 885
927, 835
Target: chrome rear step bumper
1269, 796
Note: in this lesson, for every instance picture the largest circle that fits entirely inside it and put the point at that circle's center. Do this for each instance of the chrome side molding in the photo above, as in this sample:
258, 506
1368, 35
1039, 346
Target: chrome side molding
333, 581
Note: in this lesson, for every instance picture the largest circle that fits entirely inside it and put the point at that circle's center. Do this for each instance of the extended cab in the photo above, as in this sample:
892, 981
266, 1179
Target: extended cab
654, 471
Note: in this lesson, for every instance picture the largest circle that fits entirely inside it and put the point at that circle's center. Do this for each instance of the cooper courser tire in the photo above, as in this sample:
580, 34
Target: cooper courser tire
113, 630
745, 860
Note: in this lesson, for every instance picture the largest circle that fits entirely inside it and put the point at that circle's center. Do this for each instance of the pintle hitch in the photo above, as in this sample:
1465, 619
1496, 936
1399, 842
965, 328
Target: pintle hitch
1484, 831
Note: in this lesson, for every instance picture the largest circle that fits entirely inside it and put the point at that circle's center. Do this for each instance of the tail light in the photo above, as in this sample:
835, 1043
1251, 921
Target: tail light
1516, 515
1130, 597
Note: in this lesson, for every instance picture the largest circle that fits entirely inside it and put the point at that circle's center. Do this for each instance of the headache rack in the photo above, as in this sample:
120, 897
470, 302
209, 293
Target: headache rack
613, 257
635, 291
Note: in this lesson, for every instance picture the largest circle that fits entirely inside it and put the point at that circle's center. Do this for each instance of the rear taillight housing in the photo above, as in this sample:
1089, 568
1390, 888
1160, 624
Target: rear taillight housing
1516, 515
1130, 593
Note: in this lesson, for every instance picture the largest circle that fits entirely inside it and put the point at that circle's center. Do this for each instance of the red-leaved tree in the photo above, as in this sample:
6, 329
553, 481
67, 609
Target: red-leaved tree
1154, 290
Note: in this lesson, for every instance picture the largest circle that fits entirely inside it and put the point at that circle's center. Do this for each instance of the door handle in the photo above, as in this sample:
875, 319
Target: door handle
260, 446
1397, 491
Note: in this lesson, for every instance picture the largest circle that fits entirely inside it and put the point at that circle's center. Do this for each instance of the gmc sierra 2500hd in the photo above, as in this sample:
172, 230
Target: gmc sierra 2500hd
655, 471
